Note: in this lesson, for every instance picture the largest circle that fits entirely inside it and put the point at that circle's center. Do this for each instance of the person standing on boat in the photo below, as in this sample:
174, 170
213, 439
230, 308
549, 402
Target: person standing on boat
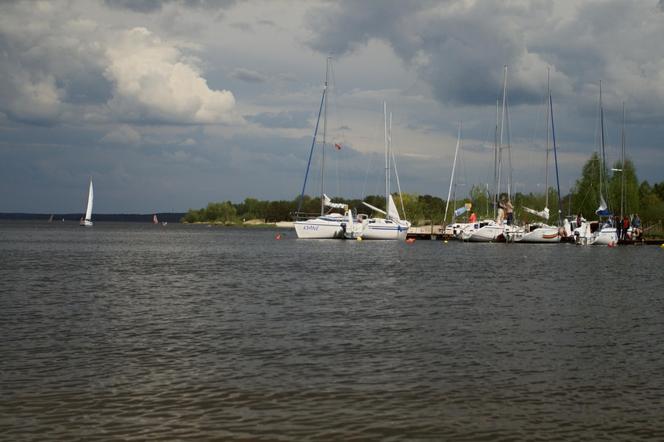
472, 218
509, 209
617, 222
579, 220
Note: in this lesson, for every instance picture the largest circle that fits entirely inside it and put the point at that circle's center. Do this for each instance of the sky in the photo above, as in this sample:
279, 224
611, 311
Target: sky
169, 105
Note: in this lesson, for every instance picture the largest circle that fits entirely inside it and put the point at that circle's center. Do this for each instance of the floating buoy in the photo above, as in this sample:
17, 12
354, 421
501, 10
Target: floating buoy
612, 244
410, 240
278, 236
359, 238
445, 241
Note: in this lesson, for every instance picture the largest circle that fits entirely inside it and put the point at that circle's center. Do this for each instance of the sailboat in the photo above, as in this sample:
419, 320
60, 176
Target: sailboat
605, 234
391, 227
541, 232
328, 224
87, 220
456, 229
494, 230
155, 220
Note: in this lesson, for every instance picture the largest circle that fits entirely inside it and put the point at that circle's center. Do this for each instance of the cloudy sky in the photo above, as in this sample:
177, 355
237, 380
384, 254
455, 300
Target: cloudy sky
171, 104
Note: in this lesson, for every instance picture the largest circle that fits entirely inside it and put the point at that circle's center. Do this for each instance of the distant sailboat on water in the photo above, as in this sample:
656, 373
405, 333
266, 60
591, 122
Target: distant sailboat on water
50, 219
87, 220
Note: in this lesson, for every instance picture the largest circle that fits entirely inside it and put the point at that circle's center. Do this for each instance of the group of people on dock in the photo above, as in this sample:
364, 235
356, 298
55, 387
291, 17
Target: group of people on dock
622, 226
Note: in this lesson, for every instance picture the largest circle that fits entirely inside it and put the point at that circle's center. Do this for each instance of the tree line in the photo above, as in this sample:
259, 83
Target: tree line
637, 197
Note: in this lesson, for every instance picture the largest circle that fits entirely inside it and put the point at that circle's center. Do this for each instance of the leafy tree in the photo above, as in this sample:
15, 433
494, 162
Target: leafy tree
631, 202
586, 198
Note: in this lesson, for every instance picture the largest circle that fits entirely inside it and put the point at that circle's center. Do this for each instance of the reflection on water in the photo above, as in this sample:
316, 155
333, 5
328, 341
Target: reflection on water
138, 331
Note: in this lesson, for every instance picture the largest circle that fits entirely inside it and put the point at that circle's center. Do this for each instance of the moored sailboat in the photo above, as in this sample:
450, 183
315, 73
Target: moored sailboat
541, 232
604, 233
328, 224
391, 227
495, 230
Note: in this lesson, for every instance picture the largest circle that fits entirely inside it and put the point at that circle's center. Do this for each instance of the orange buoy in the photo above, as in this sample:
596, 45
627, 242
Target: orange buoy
410, 240
278, 236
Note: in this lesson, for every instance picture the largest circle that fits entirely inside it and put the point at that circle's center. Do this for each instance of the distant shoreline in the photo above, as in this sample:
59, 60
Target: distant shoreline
171, 217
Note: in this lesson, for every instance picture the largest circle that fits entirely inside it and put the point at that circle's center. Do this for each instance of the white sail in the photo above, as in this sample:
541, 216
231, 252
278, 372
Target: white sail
544, 214
327, 202
87, 219
392, 212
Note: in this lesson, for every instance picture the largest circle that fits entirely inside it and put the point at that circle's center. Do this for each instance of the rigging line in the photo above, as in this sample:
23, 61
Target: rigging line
396, 174
311, 151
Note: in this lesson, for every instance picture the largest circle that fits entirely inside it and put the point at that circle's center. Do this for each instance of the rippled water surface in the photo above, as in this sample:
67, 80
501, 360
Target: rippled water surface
127, 331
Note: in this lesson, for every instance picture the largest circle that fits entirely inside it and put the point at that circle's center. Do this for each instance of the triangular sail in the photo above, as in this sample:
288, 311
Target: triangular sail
327, 202
544, 214
392, 212
88, 210
602, 210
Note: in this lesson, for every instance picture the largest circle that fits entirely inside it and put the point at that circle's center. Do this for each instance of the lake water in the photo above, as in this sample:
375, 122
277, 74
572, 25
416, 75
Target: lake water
128, 331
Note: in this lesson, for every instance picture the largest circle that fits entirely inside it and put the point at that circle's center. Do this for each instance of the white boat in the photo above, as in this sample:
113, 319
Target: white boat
327, 225
599, 233
541, 232
493, 230
485, 231
87, 220
391, 227
155, 220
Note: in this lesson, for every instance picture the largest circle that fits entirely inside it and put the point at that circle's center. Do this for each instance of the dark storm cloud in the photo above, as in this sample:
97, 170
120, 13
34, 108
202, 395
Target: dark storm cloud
459, 48
460, 54
149, 6
284, 120
248, 76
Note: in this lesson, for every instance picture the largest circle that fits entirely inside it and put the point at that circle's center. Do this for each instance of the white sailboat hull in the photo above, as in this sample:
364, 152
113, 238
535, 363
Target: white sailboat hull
603, 237
487, 233
381, 229
86, 223
542, 234
319, 228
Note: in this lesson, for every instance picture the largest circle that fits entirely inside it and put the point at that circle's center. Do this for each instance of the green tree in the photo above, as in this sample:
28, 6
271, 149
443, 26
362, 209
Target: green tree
586, 198
631, 202
481, 202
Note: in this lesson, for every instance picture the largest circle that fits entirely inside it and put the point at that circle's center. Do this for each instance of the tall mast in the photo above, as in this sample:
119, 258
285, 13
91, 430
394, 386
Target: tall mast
546, 167
555, 157
602, 169
311, 151
495, 167
622, 182
322, 163
389, 159
387, 165
456, 152
502, 130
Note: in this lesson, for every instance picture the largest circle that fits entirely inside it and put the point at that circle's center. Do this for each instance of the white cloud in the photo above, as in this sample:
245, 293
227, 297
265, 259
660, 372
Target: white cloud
154, 82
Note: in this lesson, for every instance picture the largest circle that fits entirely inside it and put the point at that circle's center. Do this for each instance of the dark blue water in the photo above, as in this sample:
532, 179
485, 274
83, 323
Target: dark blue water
126, 331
